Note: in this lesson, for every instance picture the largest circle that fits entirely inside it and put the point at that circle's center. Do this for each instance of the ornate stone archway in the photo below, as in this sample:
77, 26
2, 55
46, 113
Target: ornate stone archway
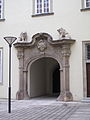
42, 45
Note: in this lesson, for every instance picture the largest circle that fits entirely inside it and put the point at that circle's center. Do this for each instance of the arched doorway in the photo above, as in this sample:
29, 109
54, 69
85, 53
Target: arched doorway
41, 49
43, 78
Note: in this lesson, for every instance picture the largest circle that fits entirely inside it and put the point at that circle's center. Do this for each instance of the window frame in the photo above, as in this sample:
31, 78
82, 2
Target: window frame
50, 12
84, 62
2, 9
87, 52
85, 4
1, 66
84, 7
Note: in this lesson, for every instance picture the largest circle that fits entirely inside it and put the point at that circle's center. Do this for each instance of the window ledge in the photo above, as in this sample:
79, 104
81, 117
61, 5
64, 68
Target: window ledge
42, 14
2, 20
85, 9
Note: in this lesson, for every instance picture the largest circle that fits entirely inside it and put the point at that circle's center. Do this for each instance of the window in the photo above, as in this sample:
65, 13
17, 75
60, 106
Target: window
86, 67
0, 65
88, 51
1, 9
42, 6
87, 3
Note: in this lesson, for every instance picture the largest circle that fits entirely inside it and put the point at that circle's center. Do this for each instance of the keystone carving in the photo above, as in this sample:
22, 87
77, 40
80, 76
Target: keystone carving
41, 45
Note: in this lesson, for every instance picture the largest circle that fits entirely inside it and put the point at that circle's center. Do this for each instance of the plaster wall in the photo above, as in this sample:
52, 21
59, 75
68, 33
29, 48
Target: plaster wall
67, 14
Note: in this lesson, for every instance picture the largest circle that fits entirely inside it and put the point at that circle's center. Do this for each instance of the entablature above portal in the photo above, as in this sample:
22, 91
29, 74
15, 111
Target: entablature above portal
44, 37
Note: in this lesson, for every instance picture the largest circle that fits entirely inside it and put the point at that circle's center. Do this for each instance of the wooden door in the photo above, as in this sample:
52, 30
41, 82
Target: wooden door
88, 79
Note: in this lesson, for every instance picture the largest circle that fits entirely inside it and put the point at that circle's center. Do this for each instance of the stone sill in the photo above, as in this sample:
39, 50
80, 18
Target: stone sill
85, 9
2, 20
43, 14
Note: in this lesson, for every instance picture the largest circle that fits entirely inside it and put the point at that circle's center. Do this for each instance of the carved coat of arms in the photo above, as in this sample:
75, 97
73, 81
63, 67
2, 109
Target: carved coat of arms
41, 45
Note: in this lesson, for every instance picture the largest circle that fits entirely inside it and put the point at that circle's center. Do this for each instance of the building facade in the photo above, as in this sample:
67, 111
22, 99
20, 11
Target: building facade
52, 53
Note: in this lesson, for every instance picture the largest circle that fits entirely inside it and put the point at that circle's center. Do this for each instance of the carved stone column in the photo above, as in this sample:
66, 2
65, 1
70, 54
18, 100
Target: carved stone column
26, 96
20, 93
61, 81
65, 94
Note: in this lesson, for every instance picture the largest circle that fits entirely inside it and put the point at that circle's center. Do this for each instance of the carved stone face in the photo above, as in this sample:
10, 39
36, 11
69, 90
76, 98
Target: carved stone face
41, 45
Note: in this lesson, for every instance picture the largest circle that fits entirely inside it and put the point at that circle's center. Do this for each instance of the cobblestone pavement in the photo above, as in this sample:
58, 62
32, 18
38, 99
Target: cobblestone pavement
45, 109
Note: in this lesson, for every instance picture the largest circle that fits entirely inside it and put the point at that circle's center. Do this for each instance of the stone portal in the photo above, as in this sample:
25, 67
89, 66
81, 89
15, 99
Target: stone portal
43, 46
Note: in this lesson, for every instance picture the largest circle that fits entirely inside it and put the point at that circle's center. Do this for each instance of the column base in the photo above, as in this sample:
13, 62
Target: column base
65, 96
20, 95
26, 96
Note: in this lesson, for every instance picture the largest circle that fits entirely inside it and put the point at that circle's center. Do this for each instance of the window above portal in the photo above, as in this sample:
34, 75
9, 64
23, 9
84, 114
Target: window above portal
1, 10
42, 7
88, 51
87, 3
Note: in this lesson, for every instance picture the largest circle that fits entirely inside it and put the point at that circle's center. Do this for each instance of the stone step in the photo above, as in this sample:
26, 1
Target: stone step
86, 99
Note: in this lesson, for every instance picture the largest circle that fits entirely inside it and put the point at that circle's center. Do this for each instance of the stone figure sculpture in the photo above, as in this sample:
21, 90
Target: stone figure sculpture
63, 33
23, 36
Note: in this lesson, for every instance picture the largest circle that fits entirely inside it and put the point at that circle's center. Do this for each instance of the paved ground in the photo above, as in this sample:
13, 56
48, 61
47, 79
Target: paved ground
45, 109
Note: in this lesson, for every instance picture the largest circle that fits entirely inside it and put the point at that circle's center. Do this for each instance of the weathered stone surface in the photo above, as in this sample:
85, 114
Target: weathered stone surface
42, 45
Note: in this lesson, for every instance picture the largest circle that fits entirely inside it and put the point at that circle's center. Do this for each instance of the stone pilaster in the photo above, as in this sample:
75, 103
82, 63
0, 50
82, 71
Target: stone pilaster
20, 93
65, 94
26, 96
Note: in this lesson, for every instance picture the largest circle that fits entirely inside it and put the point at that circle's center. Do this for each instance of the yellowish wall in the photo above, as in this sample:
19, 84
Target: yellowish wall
67, 14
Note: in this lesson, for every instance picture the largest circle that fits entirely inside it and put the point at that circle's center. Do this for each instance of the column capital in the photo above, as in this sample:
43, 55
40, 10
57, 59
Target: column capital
20, 54
66, 50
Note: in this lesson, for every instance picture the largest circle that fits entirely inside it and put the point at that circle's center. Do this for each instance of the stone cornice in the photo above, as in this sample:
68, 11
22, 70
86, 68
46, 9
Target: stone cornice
24, 44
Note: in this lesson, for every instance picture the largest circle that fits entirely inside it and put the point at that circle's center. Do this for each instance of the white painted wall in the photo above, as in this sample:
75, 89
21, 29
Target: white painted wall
67, 14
